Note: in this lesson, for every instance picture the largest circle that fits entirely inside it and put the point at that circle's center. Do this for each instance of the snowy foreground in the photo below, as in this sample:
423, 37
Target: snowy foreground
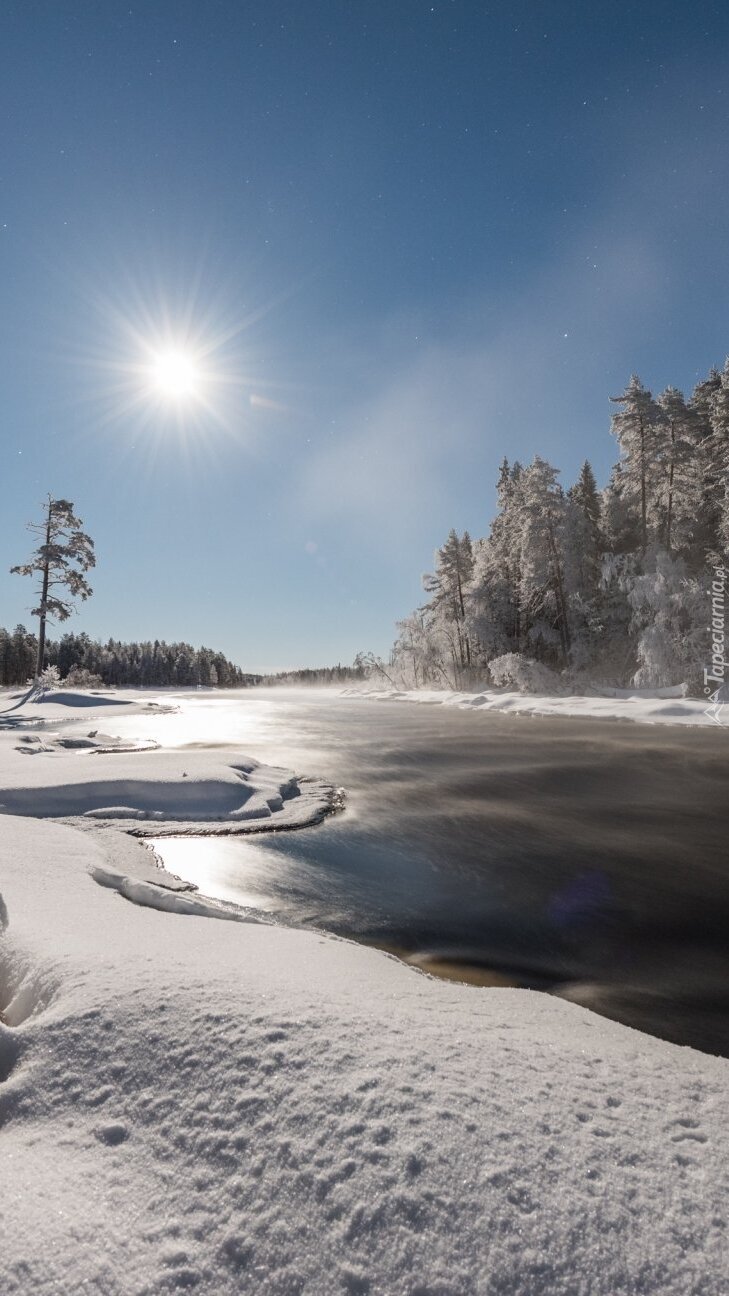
657, 706
227, 1106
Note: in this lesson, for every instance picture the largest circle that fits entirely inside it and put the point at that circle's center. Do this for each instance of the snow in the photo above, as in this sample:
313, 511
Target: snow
116, 780
648, 706
227, 1106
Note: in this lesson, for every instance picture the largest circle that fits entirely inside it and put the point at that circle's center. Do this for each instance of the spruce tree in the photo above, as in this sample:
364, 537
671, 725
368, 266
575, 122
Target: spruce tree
586, 496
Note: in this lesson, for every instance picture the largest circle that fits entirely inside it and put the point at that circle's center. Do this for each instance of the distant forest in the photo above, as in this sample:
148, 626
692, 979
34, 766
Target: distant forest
83, 660
320, 675
623, 586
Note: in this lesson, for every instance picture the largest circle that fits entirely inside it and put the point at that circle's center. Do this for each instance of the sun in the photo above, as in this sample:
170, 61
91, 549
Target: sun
175, 375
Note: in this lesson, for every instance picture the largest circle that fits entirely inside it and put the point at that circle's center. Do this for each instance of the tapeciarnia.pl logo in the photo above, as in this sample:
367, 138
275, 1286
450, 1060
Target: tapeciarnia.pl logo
716, 673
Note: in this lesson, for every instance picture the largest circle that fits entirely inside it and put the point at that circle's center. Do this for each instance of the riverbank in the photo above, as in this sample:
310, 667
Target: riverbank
662, 706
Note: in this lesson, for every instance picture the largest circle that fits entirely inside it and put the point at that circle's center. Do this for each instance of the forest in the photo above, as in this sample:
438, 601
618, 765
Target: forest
320, 675
623, 586
85, 662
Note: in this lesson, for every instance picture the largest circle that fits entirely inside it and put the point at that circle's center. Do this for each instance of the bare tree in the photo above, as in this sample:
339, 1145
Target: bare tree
60, 560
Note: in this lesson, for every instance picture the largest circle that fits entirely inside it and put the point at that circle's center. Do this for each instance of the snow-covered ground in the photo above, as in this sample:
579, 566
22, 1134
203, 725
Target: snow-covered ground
228, 1106
659, 706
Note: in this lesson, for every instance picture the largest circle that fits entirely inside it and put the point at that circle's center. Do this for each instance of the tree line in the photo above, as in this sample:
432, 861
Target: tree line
318, 675
83, 661
622, 586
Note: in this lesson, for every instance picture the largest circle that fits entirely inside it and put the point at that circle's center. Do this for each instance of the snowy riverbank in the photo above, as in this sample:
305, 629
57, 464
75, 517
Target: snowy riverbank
227, 1106
663, 706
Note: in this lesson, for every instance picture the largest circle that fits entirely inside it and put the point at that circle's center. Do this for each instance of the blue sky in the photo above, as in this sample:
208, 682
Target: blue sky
409, 238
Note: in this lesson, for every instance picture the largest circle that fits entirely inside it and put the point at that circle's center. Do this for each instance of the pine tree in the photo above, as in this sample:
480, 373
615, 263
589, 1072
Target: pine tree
60, 560
636, 428
678, 493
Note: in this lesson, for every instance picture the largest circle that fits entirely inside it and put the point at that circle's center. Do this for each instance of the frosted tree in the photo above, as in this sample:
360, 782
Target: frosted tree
60, 562
447, 587
506, 538
587, 497
582, 549
584, 543
669, 611
492, 601
719, 452
709, 405
637, 429
679, 485
421, 653
542, 534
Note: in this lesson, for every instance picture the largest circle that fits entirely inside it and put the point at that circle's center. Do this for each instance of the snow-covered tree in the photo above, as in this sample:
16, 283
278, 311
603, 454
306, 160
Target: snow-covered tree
637, 429
583, 549
679, 482
543, 595
669, 613
604, 583
447, 586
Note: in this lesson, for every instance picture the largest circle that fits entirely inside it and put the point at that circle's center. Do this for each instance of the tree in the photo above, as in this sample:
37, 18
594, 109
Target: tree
679, 493
447, 585
62, 557
636, 429
543, 594
587, 497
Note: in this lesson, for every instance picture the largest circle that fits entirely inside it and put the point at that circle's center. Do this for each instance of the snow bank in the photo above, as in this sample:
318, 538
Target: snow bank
129, 783
225, 1107
660, 706
199, 788
36, 706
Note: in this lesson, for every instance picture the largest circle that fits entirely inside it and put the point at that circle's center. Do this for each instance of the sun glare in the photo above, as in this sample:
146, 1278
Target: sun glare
175, 375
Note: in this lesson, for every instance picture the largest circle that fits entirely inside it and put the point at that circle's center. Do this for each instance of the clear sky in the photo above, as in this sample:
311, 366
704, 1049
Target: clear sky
402, 239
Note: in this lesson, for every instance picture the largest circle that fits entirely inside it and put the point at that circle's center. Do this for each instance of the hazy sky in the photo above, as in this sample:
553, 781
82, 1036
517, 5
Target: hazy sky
405, 238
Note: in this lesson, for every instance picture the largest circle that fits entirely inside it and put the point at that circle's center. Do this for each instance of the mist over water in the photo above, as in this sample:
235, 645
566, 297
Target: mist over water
588, 858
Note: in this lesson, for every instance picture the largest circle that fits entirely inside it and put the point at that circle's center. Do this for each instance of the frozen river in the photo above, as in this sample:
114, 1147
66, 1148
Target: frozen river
585, 857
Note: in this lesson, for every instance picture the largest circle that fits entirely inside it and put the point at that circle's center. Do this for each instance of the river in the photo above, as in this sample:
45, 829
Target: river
583, 857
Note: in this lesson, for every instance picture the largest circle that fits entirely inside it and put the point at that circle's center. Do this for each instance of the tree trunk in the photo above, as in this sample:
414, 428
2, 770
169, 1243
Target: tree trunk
44, 597
670, 485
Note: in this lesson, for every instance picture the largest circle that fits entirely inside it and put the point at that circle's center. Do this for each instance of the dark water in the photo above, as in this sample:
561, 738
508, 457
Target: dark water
589, 858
